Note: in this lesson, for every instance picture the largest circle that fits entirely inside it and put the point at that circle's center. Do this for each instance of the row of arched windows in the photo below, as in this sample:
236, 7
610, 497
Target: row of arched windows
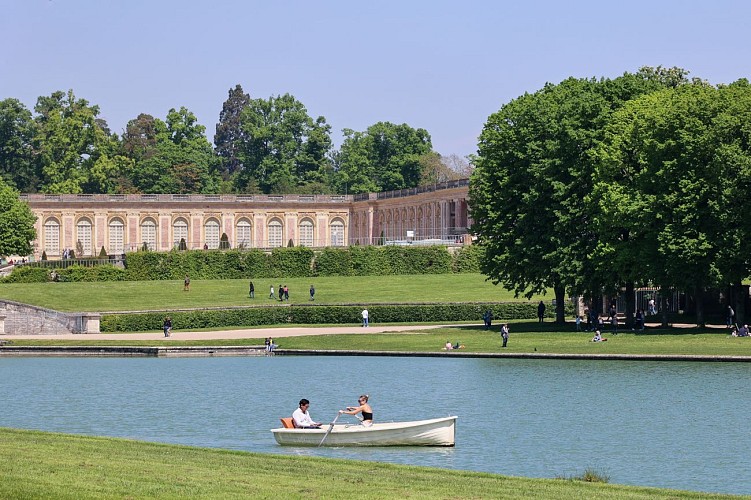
212, 235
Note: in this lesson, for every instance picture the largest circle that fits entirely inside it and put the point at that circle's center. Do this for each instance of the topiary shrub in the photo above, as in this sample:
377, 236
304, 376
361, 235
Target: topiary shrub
102, 253
44, 255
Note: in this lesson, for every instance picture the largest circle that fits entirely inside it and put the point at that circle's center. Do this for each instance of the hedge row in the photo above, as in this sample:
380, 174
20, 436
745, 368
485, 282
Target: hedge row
315, 314
298, 262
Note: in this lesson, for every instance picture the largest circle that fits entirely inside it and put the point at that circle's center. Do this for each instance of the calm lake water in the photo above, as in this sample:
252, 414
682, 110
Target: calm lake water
667, 424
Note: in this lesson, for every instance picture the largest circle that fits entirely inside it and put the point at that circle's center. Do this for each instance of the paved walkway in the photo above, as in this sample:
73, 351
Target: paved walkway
251, 333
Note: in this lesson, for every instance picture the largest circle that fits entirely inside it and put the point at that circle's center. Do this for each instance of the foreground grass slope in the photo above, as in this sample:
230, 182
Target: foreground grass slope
160, 295
48, 465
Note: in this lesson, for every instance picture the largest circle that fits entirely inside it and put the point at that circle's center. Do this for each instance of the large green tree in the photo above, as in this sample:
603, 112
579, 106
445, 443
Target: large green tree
229, 136
16, 223
530, 191
17, 165
675, 165
384, 157
283, 148
69, 140
171, 156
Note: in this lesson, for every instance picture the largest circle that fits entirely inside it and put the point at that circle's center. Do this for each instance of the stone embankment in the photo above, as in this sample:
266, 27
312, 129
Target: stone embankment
24, 319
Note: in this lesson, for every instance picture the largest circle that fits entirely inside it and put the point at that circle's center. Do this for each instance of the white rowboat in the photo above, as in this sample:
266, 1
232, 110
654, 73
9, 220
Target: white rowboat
433, 432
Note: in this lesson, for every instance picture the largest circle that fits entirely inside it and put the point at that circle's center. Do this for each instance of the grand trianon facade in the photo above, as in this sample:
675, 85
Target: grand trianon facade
125, 223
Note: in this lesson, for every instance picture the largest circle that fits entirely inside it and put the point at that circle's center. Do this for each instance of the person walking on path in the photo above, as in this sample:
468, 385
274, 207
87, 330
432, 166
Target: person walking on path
186, 284
488, 318
286, 293
730, 316
281, 292
252, 291
167, 326
540, 311
364, 318
312, 293
504, 334
271, 292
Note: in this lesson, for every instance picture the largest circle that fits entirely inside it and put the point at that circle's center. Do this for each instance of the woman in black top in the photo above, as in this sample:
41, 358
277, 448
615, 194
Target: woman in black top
364, 408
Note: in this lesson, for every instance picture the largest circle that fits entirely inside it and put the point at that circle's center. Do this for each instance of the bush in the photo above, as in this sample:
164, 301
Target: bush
316, 314
333, 262
28, 274
467, 259
294, 262
104, 272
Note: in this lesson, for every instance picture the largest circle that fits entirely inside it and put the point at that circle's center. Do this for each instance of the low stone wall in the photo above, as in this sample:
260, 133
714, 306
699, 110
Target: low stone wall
25, 319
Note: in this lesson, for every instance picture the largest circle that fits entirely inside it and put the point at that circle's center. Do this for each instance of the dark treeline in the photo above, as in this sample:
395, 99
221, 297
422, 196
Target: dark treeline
260, 146
595, 186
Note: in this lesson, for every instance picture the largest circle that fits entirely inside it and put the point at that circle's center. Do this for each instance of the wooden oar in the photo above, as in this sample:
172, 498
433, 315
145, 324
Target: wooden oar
328, 431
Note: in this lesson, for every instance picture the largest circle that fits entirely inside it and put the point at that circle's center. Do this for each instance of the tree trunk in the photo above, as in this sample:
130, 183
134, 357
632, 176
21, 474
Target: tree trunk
630, 300
560, 305
699, 300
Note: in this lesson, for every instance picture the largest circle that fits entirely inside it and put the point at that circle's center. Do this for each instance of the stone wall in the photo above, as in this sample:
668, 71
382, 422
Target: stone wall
24, 319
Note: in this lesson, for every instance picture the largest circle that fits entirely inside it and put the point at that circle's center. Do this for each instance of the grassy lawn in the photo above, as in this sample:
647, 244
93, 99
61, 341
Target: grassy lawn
160, 295
525, 337
49, 465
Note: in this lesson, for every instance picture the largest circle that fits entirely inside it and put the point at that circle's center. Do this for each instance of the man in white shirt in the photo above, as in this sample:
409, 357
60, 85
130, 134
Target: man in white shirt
364, 317
302, 417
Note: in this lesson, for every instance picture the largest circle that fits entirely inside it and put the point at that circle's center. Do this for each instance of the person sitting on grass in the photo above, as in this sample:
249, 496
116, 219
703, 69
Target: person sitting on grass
458, 345
448, 346
598, 337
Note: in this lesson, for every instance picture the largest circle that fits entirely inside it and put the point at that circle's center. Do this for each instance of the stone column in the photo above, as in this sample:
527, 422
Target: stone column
2, 324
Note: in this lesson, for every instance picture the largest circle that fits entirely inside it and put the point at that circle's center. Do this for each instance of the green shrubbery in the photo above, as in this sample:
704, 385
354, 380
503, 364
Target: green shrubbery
26, 274
316, 314
294, 262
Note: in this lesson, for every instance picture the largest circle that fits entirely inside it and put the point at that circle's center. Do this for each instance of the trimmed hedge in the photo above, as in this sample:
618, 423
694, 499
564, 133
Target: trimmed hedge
316, 314
97, 273
27, 274
294, 262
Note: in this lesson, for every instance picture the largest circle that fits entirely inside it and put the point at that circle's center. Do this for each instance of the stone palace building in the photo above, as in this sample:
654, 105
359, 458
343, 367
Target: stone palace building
86, 223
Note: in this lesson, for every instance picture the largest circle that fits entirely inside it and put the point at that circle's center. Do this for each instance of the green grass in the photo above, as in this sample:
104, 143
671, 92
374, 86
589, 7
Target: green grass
526, 337
49, 465
160, 295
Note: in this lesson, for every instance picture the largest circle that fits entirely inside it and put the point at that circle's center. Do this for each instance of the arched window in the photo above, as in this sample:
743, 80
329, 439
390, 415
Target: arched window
244, 233
52, 237
117, 234
148, 233
337, 233
306, 233
212, 233
83, 237
275, 233
179, 232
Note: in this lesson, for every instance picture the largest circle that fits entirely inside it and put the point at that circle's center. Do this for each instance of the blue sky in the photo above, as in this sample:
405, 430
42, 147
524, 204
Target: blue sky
440, 65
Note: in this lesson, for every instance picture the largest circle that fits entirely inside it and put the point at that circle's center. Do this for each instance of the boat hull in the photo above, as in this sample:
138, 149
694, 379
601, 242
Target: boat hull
433, 432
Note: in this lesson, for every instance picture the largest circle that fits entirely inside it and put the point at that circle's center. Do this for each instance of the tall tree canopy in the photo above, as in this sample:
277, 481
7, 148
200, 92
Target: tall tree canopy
384, 157
16, 223
529, 192
674, 166
171, 156
17, 165
69, 141
229, 135
284, 149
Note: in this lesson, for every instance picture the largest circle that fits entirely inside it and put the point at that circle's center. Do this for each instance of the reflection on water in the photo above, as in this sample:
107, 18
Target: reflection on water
676, 425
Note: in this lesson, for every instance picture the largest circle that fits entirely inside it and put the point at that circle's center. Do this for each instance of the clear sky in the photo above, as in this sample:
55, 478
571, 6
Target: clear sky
441, 65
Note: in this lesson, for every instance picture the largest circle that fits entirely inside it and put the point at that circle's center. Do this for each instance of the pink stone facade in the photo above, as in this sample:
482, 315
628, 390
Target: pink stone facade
124, 223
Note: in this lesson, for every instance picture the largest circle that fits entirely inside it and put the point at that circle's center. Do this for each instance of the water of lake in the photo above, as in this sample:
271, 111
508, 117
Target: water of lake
667, 424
